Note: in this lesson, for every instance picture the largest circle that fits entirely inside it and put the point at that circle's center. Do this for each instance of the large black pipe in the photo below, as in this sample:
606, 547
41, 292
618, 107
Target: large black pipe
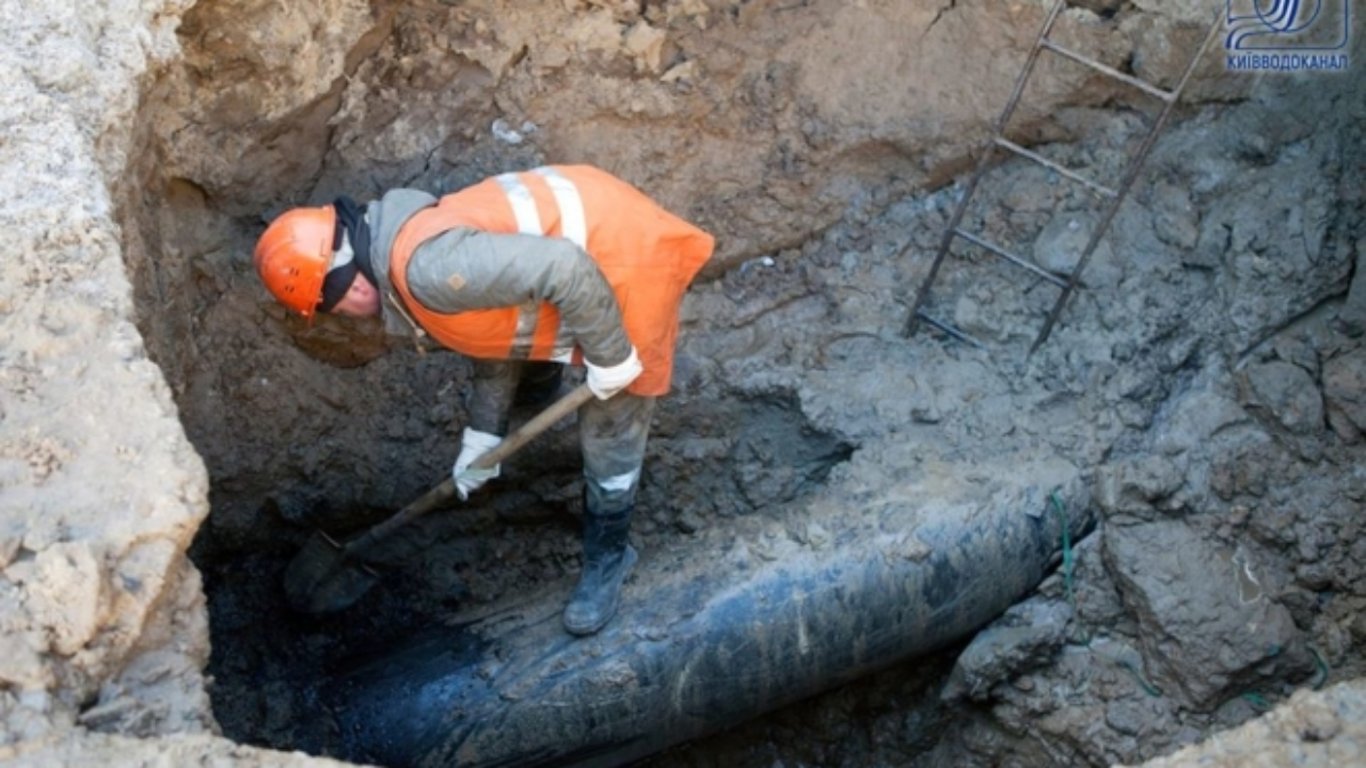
729, 629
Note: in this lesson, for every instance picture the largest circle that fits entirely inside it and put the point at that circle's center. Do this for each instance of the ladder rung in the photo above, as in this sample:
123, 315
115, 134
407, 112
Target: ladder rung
950, 330
1049, 164
1148, 88
1012, 258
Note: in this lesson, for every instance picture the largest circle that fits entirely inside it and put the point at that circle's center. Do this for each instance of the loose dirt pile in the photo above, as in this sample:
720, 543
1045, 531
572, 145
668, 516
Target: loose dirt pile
1207, 383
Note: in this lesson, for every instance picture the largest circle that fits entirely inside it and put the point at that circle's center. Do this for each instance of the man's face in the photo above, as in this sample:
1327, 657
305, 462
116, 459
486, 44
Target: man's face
361, 299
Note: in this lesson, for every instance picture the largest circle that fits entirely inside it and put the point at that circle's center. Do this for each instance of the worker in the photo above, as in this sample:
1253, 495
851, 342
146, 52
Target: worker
560, 264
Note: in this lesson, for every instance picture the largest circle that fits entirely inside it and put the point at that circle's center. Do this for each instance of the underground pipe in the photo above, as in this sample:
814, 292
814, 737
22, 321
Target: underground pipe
714, 634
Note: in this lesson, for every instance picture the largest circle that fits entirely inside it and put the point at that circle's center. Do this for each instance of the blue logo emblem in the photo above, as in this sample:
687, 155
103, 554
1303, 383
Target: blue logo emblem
1288, 35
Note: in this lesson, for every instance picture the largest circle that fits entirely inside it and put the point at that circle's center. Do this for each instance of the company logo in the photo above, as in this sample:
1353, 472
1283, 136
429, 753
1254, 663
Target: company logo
1288, 35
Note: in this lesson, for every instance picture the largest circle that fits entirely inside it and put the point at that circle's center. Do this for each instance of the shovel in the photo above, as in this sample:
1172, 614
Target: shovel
328, 576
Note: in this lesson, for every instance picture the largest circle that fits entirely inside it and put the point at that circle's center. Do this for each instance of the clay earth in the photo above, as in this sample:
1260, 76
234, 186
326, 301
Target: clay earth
169, 436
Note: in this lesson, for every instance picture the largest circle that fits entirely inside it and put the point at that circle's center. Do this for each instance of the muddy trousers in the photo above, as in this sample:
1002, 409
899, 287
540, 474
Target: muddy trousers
612, 433
612, 438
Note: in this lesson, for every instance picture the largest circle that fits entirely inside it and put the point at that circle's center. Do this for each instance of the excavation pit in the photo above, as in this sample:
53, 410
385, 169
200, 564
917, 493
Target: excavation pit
810, 457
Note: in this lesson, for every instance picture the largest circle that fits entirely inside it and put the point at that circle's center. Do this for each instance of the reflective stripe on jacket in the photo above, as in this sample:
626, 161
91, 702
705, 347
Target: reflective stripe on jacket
647, 256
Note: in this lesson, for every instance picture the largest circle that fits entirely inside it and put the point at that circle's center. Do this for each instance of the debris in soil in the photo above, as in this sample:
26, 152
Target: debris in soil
1207, 383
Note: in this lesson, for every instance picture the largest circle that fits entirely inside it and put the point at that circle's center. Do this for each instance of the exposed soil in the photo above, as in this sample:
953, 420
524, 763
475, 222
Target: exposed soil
1206, 386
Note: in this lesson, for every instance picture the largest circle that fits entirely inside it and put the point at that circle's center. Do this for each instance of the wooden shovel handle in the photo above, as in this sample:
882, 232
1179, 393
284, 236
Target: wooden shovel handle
538, 424
509, 445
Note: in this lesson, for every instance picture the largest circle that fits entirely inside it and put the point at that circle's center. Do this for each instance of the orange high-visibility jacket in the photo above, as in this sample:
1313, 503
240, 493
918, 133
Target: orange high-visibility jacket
647, 255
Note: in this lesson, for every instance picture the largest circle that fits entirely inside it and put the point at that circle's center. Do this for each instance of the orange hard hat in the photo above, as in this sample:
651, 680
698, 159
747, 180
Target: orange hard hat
293, 256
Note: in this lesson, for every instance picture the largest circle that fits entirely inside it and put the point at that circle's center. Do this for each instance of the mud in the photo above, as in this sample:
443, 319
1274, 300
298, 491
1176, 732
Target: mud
1207, 384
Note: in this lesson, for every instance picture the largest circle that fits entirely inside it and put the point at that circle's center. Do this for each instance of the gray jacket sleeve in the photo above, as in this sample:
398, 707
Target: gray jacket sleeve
465, 269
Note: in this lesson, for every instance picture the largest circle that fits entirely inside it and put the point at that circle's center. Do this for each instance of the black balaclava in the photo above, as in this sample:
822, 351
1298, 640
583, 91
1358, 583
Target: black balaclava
351, 227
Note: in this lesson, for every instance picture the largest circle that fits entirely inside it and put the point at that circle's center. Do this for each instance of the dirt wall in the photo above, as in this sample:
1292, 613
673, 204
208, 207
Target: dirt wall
146, 141
103, 614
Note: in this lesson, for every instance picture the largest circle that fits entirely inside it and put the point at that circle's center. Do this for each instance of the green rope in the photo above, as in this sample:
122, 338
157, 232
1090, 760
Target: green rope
1143, 681
1257, 701
1067, 557
1321, 676
1068, 564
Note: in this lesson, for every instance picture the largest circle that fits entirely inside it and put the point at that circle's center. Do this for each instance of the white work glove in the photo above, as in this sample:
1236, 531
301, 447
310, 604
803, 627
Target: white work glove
609, 380
473, 444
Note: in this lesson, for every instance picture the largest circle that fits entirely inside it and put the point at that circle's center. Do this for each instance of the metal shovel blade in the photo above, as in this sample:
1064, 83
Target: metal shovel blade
321, 579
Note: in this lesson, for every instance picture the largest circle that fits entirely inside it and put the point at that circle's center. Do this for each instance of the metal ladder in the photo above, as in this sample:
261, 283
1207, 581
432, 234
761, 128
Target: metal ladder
1067, 283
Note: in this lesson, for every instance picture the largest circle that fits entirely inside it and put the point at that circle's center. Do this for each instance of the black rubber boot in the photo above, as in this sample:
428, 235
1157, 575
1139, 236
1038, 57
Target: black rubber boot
607, 560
